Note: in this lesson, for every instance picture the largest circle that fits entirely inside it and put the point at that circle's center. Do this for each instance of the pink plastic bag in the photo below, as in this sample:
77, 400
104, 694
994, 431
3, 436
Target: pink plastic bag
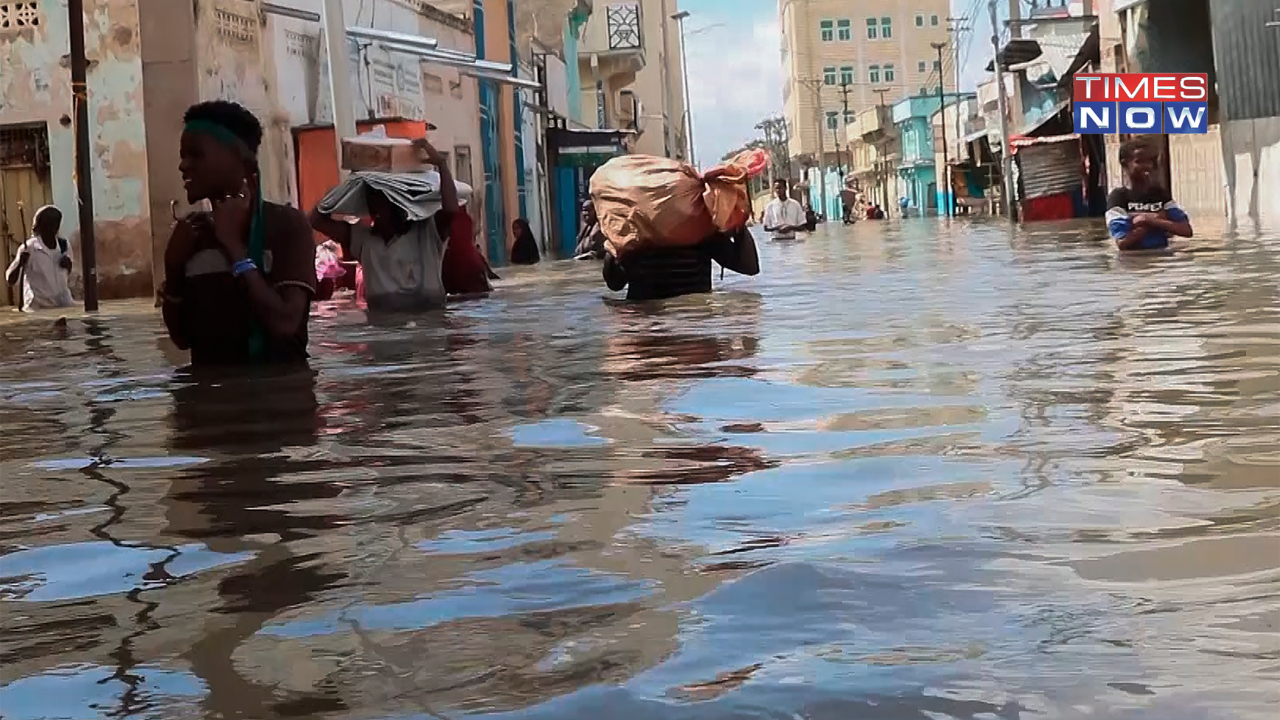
329, 261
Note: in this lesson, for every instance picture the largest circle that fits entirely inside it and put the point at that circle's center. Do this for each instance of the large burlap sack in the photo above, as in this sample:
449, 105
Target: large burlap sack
726, 195
649, 201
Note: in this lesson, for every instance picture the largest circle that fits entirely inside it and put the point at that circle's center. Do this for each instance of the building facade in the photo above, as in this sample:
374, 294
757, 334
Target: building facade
151, 59
1232, 172
838, 53
912, 117
631, 74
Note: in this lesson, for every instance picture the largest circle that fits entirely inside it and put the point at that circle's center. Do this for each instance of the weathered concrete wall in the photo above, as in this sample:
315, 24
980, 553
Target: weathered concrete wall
167, 31
1251, 151
1199, 184
235, 59
35, 87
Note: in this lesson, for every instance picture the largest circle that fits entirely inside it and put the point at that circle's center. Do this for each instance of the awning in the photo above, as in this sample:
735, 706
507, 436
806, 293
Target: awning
1057, 53
1045, 119
429, 51
1018, 141
1090, 53
1016, 51
500, 77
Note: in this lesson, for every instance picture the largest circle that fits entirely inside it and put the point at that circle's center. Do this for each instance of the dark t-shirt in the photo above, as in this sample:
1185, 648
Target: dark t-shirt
662, 273
214, 312
1125, 202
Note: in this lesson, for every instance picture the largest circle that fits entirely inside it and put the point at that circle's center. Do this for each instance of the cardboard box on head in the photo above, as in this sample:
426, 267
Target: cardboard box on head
375, 152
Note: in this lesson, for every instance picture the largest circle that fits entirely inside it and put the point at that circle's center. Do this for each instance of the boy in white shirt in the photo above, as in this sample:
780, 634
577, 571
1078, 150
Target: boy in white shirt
44, 264
783, 216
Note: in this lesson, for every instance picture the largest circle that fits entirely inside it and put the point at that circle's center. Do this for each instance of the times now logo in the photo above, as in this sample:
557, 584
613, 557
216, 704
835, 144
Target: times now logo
1141, 103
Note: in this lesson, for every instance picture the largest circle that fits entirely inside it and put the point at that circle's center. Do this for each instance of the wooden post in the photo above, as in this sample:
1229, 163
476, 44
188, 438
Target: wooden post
84, 165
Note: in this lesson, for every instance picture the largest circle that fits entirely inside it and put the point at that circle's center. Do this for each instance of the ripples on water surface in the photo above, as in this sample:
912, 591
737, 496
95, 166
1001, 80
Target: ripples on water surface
907, 472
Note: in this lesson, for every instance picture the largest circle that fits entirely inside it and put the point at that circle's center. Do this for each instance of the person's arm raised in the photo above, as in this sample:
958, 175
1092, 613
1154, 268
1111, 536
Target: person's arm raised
336, 230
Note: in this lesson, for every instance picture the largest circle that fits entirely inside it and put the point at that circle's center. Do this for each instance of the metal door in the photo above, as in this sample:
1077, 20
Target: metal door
495, 223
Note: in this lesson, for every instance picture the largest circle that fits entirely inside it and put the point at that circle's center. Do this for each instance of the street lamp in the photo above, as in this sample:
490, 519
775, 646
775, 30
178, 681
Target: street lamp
684, 72
946, 161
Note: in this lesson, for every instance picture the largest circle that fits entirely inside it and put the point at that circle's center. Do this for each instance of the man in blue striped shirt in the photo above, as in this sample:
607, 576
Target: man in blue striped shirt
1143, 215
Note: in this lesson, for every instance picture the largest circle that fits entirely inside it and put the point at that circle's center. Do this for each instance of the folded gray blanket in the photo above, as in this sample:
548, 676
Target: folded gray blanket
418, 194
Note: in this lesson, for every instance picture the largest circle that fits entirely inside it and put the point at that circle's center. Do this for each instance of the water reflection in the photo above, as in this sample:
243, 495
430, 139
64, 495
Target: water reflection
912, 470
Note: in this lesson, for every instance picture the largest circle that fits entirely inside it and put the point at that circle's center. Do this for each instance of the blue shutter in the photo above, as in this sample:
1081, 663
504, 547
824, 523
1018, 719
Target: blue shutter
494, 220
517, 112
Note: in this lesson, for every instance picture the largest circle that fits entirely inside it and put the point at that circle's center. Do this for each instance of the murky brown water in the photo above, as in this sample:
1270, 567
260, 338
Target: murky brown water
911, 471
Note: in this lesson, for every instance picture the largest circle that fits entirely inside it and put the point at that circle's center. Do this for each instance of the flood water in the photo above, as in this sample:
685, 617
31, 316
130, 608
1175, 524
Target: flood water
913, 470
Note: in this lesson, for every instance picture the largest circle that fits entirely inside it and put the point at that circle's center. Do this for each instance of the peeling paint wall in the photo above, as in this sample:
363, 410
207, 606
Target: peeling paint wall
235, 59
35, 87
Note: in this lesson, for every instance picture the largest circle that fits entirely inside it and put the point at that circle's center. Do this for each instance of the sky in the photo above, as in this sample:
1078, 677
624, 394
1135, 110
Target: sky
735, 67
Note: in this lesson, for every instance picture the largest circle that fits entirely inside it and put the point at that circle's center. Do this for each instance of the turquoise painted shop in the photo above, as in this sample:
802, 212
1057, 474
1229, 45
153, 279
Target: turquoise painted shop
917, 177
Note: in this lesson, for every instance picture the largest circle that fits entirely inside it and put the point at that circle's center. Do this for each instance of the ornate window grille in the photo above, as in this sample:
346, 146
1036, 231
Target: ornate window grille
624, 26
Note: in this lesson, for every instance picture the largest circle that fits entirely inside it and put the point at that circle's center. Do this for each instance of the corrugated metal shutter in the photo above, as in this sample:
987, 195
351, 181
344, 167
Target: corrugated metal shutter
1247, 55
1049, 169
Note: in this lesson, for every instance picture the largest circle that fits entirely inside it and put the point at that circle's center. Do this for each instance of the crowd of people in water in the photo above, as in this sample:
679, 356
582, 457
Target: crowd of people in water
240, 279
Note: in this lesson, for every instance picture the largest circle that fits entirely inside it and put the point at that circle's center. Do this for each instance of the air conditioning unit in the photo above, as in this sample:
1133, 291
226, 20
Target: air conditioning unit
629, 110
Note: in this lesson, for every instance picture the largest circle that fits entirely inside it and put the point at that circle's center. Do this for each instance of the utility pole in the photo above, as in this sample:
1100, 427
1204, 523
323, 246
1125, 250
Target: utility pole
1006, 155
684, 69
84, 168
344, 112
844, 98
958, 27
942, 108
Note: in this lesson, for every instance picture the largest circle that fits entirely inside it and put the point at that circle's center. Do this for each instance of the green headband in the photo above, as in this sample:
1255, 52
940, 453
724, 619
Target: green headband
218, 132
257, 228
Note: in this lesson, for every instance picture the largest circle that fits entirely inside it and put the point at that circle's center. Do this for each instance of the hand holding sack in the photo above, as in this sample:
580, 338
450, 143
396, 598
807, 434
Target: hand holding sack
651, 201
726, 196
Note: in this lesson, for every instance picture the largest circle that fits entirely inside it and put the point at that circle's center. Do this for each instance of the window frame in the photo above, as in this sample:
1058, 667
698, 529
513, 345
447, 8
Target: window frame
833, 120
933, 21
873, 74
886, 28
922, 66
887, 71
829, 75
873, 29
844, 30
827, 30
848, 75
919, 20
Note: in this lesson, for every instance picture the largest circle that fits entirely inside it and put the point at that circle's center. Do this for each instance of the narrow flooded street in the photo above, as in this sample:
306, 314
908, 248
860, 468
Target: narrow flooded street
912, 470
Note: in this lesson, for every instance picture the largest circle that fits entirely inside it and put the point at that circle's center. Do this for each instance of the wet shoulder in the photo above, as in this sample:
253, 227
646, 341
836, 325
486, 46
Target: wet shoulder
285, 223
1118, 197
